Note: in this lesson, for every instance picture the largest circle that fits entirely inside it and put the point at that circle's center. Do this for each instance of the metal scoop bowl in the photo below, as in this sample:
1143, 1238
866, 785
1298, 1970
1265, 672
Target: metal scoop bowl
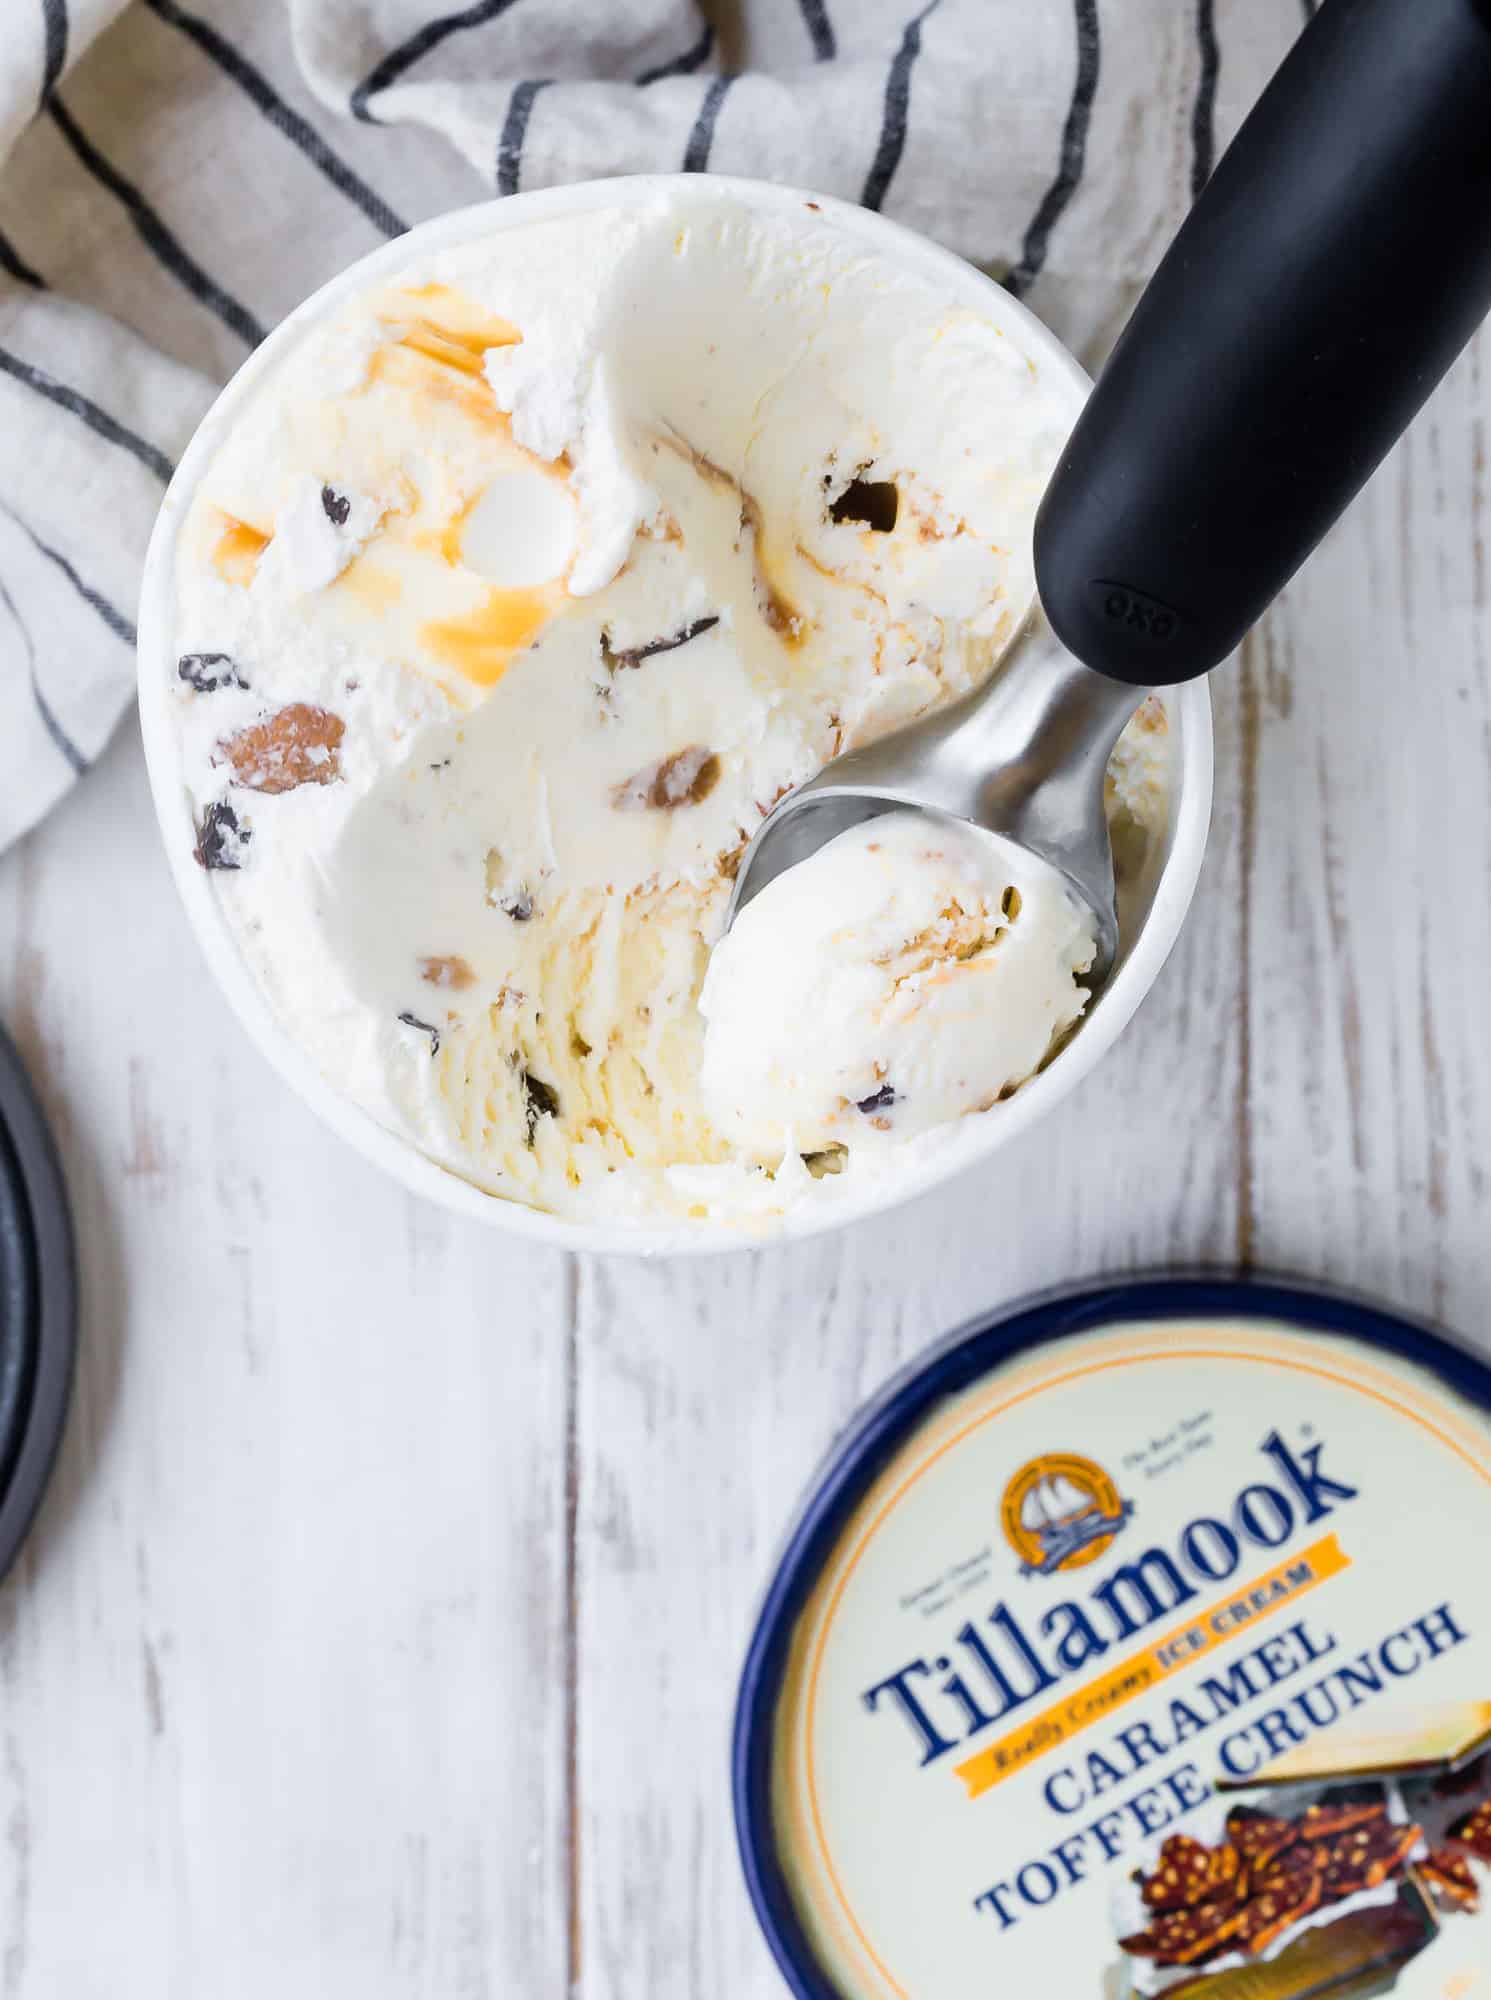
1023, 757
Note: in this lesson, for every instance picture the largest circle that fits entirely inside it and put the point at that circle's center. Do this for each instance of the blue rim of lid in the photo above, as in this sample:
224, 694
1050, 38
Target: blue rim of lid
973, 1351
38, 1304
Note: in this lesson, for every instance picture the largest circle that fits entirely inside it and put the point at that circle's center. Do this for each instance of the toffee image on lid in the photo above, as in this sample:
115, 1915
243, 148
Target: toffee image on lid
1137, 1642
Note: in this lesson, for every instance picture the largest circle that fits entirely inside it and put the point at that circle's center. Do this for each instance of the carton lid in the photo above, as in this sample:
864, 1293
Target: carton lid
38, 1304
1134, 1643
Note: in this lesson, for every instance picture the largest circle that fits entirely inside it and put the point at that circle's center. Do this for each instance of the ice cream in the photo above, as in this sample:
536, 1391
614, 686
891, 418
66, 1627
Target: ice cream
520, 589
910, 972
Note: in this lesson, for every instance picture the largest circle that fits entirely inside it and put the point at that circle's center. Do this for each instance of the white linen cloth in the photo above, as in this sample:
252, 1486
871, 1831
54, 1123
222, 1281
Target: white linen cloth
174, 177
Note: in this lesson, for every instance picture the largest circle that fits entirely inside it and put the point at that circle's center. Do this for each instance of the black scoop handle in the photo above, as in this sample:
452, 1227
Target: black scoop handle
1329, 273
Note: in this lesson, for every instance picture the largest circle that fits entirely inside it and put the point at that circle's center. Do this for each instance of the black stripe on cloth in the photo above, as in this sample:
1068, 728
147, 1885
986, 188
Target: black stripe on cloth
154, 234
820, 29
514, 131
70, 751
97, 420
54, 48
299, 131
897, 106
1204, 116
11, 260
684, 65
116, 621
1309, 7
430, 36
701, 138
1073, 152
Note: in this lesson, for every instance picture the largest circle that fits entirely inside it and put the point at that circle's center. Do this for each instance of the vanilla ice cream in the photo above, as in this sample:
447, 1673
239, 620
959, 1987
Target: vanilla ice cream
520, 589
911, 971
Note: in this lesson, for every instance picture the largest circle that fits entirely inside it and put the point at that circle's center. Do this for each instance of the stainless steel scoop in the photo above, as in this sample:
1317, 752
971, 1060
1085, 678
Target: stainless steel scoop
1331, 270
1024, 757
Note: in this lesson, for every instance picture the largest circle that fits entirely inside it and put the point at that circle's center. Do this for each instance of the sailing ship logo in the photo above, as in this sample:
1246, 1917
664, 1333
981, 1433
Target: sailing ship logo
1061, 1512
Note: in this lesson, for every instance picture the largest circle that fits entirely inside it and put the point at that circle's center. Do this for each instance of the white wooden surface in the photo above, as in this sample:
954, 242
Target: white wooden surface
380, 1633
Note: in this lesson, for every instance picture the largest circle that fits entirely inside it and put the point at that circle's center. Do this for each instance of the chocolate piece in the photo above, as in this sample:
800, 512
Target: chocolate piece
633, 656
425, 1028
1321, 1822
519, 906
878, 1100
220, 838
1229, 1878
1258, 1836
1181, 1937
540, 1100
1392, 1853
1363, 1857
1338, 1880
874, 502
1182, 1877
684, 779
1288, 1865
207, 672
1452, 1879
336, 506
297, 745
1473, 1830
1263, 1919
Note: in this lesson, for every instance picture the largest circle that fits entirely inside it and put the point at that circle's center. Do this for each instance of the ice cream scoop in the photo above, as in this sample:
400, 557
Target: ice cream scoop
1331, 270
953, 964
1024, 757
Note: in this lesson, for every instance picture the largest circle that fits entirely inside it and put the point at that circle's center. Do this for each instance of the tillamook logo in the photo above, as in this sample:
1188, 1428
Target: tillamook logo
1061, 1512
989, 1669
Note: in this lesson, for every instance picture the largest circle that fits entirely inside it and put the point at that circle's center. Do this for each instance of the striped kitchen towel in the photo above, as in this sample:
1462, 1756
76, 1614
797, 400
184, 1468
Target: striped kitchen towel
174, 177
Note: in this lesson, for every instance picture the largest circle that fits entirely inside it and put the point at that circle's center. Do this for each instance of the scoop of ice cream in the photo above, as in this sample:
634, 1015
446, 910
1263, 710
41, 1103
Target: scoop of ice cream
909, 972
